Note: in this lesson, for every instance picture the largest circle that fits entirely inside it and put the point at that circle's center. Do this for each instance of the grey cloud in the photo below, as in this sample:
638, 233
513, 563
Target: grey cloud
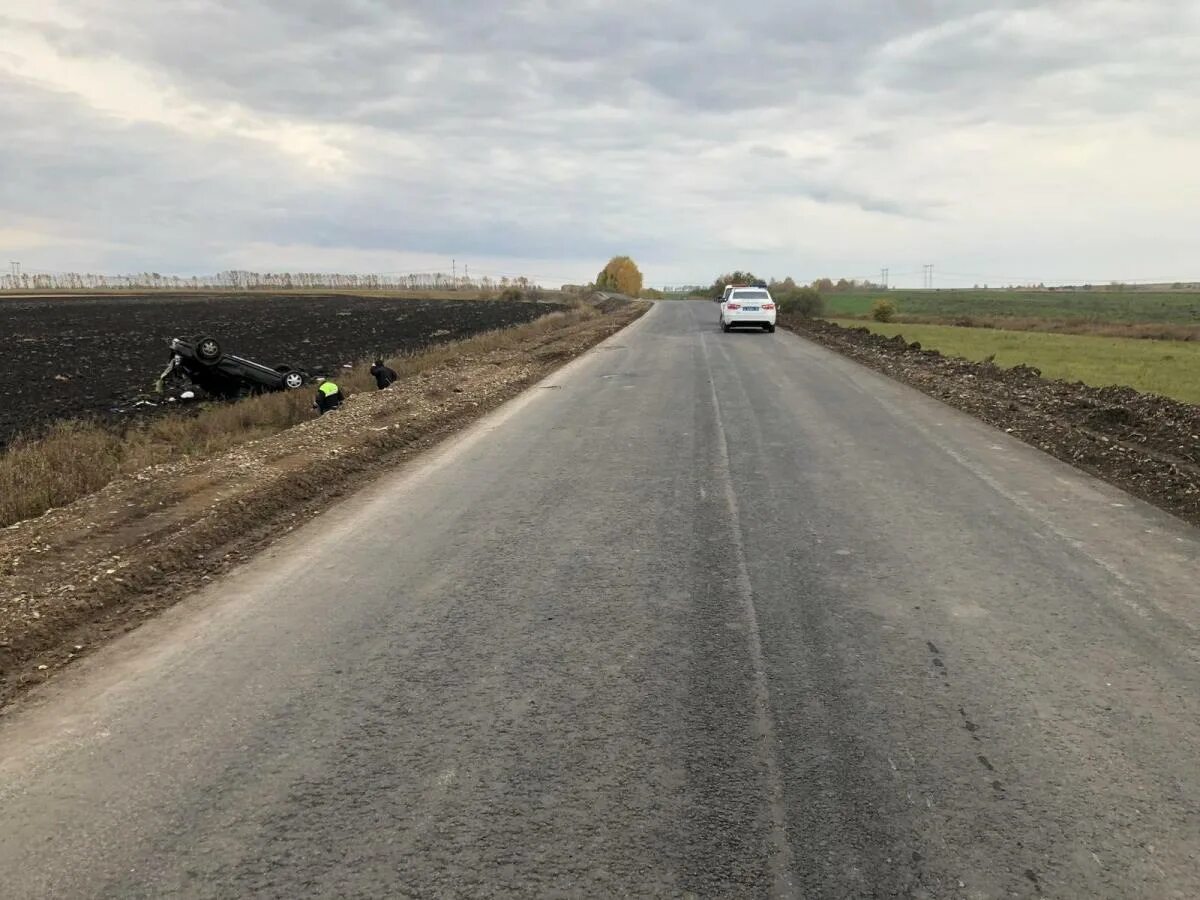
767, 152
552, 127
433, 61
134, 184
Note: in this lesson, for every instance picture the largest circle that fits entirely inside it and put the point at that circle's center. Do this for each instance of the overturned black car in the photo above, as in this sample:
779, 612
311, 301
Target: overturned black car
202, 362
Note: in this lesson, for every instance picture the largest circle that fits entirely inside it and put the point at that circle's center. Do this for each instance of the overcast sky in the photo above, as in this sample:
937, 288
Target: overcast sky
1054, 141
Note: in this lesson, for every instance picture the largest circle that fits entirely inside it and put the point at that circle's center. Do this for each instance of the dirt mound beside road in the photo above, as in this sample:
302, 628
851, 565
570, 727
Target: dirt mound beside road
1145, 444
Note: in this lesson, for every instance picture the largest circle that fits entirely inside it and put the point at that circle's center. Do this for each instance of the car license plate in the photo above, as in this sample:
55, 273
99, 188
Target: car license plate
750, 308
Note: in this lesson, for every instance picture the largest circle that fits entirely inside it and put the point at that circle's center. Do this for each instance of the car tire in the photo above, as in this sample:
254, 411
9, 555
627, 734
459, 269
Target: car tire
293, 379
770, 329
725, 326
208, 350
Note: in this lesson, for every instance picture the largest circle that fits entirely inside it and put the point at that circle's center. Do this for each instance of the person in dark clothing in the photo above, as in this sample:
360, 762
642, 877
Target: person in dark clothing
384, 376
329, 396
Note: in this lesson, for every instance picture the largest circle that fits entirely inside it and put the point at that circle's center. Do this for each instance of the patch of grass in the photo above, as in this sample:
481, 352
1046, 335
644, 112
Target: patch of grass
1176, 307
1156, 331
1157, 367
73, 459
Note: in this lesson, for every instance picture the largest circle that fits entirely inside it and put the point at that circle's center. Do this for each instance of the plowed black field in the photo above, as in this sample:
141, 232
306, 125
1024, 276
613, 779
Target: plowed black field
80, 357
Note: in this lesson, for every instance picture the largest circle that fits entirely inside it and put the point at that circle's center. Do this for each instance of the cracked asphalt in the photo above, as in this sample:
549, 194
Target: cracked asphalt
702, 615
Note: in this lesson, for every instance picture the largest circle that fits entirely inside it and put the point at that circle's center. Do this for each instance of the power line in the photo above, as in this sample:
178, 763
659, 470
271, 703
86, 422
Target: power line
1025, 279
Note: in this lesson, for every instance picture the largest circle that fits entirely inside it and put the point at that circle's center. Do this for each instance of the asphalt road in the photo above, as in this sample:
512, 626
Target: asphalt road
721, 615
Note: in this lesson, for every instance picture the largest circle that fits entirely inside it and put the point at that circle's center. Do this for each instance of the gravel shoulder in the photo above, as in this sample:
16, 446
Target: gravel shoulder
1145, 444
78, 575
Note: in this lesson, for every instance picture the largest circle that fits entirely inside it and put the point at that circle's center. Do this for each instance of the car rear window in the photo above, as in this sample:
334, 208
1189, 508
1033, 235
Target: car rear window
750, 295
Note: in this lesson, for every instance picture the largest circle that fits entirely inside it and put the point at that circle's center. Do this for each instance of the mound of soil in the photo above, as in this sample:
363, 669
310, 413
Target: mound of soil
609, 302
89, 357
1143, 443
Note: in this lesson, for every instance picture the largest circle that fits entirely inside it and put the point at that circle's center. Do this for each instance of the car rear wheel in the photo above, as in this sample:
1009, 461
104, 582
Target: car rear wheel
208, 350
770, 329
292, 378
725, 326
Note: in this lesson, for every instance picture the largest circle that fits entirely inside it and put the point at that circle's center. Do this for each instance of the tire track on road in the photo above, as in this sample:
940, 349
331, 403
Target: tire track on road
781, 863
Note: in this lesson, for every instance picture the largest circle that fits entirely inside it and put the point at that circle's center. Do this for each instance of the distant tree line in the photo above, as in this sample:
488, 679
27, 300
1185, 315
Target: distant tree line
820, 285
804, 300
829, 286
237, 279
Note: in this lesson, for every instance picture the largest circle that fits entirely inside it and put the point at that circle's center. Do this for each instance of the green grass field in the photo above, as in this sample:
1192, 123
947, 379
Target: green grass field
1171, 368
1092, 306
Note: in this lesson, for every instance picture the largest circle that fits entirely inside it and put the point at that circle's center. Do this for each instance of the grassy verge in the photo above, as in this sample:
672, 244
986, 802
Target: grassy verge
74, 459
1129, 307
1169, 368
1153, 331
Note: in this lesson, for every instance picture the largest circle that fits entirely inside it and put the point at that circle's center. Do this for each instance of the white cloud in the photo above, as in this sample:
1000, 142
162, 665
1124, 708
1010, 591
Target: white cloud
130, 92
1051, 139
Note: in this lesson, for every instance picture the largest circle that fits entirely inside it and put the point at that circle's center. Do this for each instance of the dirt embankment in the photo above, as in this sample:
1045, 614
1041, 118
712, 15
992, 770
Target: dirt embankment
1145, 444
97, 567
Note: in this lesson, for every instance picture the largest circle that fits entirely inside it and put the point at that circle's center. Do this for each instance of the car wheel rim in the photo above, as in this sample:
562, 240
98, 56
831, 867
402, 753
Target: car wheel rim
294, 380
208, 348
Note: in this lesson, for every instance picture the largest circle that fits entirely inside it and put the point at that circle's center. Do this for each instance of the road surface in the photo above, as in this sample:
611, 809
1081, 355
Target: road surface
703, 614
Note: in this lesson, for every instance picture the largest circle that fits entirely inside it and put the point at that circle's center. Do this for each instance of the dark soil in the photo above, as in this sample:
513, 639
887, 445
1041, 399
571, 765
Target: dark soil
1146, 444
89, 357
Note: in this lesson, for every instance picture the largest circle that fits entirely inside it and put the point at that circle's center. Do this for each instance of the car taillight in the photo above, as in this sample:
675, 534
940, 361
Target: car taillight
768, 306
733, 306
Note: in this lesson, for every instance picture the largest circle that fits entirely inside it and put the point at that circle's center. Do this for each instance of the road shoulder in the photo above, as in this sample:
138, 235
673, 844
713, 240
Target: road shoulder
1146, 445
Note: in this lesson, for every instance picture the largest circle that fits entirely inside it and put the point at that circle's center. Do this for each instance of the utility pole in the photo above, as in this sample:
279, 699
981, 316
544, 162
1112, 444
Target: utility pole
16, 268
883, 276
454, 271
927, 276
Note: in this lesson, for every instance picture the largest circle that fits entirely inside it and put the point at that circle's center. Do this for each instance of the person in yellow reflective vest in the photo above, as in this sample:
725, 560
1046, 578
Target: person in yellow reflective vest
329, 396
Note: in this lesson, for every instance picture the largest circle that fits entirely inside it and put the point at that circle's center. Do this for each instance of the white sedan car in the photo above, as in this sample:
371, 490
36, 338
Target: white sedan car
748, 306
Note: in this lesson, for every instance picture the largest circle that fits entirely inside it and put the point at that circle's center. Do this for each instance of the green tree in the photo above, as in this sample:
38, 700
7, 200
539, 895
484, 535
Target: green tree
620, 276
738, 277
883, 310
797, 301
